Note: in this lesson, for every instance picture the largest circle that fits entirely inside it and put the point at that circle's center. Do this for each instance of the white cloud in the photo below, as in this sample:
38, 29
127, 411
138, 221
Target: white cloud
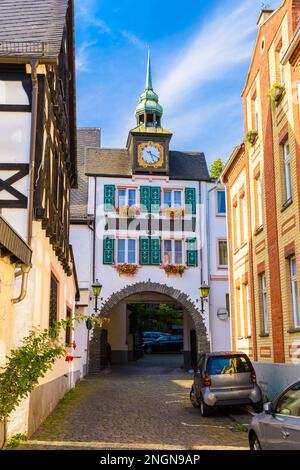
133, 39
85, 13
222, 43
82, 56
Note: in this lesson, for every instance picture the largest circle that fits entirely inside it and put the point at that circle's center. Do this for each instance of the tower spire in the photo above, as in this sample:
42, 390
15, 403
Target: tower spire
149, 73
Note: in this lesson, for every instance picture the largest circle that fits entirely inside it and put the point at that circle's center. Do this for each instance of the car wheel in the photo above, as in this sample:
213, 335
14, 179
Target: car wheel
204, 409
258, 407
254, 442
193, 398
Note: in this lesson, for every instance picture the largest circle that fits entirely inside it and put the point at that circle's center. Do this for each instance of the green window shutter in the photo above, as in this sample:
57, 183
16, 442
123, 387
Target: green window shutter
190, 200
109, 197
108, 250
144, 250
155, 199
191, 252
145, 198
155, 250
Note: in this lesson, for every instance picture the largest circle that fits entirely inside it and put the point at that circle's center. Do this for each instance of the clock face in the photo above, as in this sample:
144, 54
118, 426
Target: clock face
150, 154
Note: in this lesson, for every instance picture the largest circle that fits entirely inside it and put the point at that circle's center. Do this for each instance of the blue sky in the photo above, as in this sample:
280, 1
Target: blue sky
200, 56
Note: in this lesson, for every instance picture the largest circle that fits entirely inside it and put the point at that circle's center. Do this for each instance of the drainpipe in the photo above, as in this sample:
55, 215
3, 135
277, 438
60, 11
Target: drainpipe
34, 79
24, 271
94, 232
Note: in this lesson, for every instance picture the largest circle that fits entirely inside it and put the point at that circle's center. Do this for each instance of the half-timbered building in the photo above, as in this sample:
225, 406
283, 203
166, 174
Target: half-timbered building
37, 172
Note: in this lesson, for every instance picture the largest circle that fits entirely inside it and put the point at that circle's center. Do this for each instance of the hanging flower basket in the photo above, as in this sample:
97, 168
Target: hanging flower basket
174, 269
251, 137
127, 268
173, 213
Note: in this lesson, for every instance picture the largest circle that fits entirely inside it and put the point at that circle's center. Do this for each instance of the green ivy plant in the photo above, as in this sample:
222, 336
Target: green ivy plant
31, 360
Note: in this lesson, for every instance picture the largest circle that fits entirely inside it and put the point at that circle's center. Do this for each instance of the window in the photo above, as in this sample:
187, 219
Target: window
172, 198
281, 67
256, 115
224, 365
294, 289
221, 200
68, 328
235, 227
222, 254
287, 171
259, 206
248, 309
241, 219
264, 305
173, 253
245, 218
289, 403
126, 197
53, 309
126, 251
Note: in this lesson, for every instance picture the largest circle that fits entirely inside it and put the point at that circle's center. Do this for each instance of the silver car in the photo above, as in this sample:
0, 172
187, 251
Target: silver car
225, 379
278, 427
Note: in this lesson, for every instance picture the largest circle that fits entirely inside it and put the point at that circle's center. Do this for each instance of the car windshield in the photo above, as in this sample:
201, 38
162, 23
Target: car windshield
228, 365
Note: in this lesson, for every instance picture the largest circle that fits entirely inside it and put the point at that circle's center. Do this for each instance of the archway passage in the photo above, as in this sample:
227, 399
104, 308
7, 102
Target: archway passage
115, 309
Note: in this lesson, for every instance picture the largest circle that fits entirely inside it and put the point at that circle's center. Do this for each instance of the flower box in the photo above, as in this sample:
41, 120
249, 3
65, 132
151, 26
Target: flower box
127, 268
174, 269
251, 137
130, 212
276, 92
173, 213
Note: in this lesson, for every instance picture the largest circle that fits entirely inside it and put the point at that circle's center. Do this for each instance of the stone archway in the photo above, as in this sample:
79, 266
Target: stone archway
156, 288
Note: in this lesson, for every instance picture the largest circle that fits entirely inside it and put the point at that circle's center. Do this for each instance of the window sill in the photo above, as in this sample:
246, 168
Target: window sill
258, 230
243, 244
264, 335
287, 204
294, 330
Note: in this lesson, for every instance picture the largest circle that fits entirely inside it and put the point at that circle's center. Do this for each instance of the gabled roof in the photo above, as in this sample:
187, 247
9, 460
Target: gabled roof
188, 166
32, 28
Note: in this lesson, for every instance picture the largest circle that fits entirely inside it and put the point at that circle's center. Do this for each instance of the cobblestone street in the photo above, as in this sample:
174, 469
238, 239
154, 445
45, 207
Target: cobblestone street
144, 405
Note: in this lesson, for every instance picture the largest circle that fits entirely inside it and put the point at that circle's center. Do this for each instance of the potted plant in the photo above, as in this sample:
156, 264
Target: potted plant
174, 269
251, 137
127, 268
276, 92
133, 212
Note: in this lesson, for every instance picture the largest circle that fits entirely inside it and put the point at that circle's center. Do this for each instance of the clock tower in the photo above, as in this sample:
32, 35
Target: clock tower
148, 143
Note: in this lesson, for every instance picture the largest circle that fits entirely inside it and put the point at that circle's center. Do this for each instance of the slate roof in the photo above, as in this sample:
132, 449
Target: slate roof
188, 166
32, 28
86, 137
116, 162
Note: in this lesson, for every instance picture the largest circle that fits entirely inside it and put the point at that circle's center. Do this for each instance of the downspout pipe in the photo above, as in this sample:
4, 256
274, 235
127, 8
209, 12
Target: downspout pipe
34, 110
25, 271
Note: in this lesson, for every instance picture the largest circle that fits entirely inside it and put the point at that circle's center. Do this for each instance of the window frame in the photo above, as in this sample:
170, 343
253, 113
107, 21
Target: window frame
218, 213
264, 304
259, 202
53, 278
287, 171
219, 265
294, 292
172, 191
127, 189
173, 252
126, 251
68, 332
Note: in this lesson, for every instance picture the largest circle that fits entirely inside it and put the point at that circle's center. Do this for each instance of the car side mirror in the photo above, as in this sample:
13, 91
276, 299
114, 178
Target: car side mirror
268, 408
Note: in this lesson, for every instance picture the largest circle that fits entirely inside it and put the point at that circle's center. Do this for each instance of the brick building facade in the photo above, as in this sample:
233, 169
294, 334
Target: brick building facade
263, 195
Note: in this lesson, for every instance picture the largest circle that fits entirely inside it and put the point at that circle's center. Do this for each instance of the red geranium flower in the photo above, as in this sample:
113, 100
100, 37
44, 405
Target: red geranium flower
69, 358
74, 344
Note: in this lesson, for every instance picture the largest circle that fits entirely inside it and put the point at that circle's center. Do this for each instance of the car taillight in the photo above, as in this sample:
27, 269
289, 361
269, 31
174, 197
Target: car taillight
207, 380
253, 377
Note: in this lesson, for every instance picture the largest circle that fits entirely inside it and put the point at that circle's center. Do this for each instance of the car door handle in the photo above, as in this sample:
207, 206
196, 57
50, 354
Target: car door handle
285, 434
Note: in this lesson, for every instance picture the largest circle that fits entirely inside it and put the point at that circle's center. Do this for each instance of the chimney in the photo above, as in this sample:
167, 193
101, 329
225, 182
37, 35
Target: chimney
263, 16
